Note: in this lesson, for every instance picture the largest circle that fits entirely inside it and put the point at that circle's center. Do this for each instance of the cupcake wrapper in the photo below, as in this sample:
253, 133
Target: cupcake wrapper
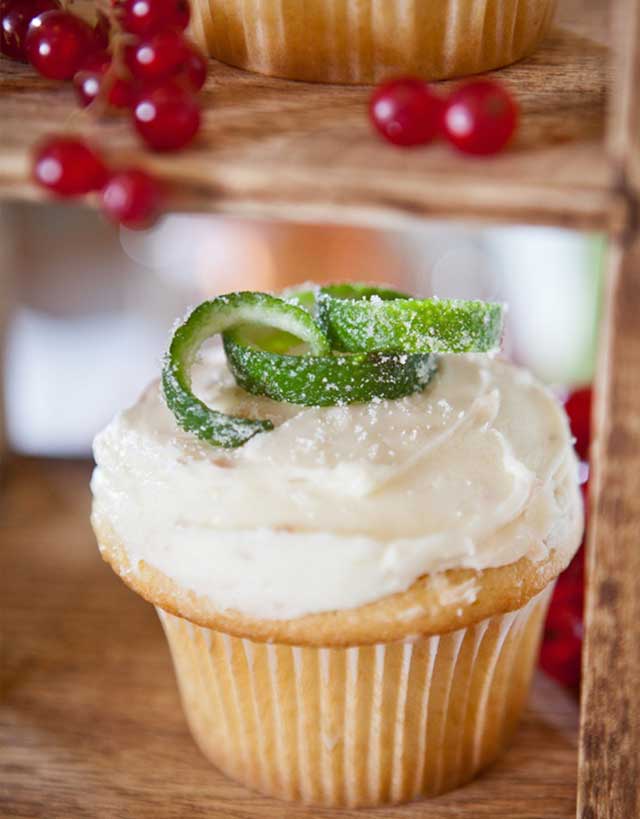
357, 726
365, 41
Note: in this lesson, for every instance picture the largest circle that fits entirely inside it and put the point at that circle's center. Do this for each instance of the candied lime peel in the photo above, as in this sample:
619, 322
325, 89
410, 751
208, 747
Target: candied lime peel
325, 380
357, 318
329, 346
207, 320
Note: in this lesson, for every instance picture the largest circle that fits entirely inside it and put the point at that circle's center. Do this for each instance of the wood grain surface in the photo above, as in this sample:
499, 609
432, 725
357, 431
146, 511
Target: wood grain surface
623, 128
609, 785
90, 722
609, 766
275, 148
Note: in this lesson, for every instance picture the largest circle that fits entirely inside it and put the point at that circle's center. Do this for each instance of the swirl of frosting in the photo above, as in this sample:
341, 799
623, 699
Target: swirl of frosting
339, 506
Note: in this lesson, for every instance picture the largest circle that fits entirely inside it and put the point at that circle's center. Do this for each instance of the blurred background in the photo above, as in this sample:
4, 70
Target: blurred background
88, 309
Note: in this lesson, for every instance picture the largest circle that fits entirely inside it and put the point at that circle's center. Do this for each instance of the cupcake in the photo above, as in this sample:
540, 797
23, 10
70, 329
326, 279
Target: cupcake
365, 41
350, 519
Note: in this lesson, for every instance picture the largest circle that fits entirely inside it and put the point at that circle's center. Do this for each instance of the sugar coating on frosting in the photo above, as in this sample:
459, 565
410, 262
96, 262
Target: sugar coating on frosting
341, 506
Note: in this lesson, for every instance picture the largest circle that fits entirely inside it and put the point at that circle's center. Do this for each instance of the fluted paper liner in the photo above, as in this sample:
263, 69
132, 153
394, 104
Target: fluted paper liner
364, 41
365, 725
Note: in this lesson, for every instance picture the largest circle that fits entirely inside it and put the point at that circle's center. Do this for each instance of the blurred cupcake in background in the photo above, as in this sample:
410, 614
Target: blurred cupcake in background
344, 41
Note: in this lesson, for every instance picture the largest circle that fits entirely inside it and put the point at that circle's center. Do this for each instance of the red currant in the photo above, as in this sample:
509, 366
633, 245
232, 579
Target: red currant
480, 117
14, 21
560, 655
57, 44
68, 167
102, 32
89, 80
157, 57
562, 643
166, 117
194, 70
578, 408
145, 17
406, 111
132, 198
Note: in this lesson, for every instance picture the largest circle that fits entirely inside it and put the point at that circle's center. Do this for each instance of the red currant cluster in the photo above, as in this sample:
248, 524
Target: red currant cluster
136, 57
477, 118
561, 650
69, 167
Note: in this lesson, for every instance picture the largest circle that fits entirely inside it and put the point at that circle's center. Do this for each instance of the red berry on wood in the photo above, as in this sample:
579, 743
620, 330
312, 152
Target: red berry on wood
68, 167
406, 111
102, 32
194, 70
145, 17
561, 651
560, 655
89, 81
157, 57
578, 408
166, 117
57, 44
480, 117
15, 17
132, 198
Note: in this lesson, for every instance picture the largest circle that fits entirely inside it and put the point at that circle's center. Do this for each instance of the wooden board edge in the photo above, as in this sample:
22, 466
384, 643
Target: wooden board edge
603, 211
609, 749
623, 126
609, 746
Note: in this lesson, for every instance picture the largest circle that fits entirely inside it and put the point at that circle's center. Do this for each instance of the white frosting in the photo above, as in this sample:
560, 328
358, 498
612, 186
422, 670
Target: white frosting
337, 507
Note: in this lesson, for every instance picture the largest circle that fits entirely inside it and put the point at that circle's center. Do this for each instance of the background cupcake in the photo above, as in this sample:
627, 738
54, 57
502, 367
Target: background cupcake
364, 41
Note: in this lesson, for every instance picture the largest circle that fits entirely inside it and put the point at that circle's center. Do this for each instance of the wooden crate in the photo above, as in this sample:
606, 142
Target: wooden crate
91, 728
275, 148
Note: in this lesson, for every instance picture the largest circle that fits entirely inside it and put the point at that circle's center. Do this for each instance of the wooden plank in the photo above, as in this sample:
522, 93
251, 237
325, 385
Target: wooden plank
623, 132
609, 780
283, 149
609, 758
90, 722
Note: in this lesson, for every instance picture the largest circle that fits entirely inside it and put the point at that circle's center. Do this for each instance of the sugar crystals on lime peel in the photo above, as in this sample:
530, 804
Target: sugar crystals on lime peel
317, 378
325, 380
207, 320
264, 364
359, 319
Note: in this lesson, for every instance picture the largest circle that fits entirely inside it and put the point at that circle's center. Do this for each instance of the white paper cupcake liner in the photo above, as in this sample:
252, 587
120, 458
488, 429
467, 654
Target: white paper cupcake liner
366, 725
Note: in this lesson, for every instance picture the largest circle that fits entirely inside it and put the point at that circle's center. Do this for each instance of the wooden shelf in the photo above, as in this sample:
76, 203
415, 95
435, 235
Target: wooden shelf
90, 721
284, 149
